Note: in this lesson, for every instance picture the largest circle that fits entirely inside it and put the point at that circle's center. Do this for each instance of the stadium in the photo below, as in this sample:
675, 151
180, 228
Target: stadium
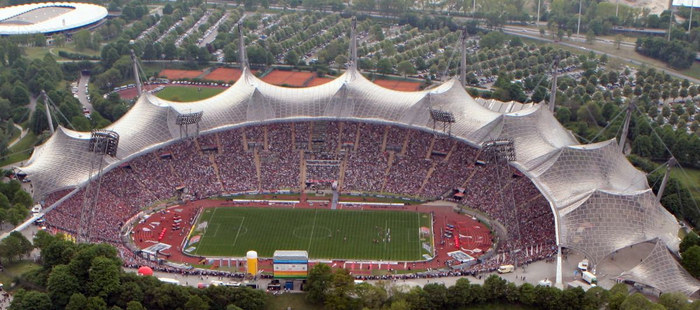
49, 17
146, 180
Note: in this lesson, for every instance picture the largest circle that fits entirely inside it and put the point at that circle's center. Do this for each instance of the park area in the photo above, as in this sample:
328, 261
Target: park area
325, 234
188, 93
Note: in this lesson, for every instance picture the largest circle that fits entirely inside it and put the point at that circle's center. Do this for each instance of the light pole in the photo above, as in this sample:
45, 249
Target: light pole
538, 12
617, 7
690, 20
578, 27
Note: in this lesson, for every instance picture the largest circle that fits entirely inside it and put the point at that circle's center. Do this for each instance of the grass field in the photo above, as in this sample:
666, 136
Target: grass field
344, 234
690, 179
187, 94
20, 151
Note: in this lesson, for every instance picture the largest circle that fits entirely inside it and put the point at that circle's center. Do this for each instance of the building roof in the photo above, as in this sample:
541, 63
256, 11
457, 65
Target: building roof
662, 271
40, 18
601, 203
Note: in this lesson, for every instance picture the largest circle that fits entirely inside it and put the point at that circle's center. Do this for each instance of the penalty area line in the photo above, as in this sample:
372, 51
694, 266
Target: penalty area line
238, 233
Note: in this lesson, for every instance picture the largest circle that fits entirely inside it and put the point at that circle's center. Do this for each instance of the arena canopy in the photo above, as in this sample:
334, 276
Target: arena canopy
601, 203
48, 17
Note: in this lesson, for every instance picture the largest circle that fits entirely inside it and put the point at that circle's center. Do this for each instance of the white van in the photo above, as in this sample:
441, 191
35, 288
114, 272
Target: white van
583, 265
589, 278
506, 269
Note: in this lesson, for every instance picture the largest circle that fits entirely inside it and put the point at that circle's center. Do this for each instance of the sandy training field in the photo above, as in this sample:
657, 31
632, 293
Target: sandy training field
174, 74
289, 78
399, 85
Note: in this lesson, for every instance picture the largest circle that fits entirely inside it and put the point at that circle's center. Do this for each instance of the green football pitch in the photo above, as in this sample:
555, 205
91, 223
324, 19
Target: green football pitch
325, 234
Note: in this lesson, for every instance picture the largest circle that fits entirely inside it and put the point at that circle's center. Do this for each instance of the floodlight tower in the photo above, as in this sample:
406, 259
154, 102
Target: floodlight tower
184, 120
445, 118
500, 153
102, 142
578, 26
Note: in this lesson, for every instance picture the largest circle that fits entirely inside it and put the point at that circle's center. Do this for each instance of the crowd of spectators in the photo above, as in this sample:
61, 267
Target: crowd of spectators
279, 162
428, 166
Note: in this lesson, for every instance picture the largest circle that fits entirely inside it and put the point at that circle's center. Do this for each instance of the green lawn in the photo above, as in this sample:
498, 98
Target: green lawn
690, 179
20, 151
293, 301
15, 270
326, 234
187, 94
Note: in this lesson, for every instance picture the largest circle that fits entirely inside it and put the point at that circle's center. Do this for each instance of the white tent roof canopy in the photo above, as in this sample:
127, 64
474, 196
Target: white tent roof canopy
581, 182
13, 22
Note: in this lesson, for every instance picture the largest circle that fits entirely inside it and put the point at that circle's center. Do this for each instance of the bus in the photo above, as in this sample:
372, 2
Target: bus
169, 281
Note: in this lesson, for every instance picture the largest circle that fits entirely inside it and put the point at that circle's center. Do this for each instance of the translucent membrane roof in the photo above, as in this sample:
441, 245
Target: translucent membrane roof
600, 202
48, 17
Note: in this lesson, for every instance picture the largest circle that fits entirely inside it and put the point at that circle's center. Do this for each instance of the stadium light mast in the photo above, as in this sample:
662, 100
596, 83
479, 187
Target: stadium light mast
692, 8
353, 44
48, 112
463, 66
137, 79
578, 27
671, 162
626, 127
102, 142
241, 48
553, 95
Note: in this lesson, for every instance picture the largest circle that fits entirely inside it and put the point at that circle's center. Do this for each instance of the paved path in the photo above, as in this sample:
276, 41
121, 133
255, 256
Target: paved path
21, 135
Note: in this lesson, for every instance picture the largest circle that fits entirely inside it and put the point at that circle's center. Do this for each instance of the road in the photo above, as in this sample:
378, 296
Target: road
528, 33
82, 92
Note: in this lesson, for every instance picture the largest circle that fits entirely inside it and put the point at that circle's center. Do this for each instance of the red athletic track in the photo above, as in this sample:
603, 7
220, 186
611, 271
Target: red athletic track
479, 235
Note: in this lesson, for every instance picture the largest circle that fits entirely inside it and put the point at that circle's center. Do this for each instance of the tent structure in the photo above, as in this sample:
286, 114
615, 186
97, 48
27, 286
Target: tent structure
600, 202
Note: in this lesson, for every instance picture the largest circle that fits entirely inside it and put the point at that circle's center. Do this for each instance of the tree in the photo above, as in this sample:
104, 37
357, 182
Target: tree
62, 285
31, 300
590, 37
690, 259
292, 58
14, 246
318, 283
406, 67
82, 39
134, 305
384, 66
638, 301
688, 241
674, 301
618, 41
371, 296
104, 277
196, 303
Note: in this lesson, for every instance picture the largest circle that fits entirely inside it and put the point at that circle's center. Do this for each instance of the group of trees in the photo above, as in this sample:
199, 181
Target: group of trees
336, 290
677, 53
14, 202
690, 253
89, 276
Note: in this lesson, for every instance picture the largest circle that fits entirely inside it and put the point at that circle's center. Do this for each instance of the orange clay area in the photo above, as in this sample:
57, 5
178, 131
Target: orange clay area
473, 236
289, 78
228, 75
278, 77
